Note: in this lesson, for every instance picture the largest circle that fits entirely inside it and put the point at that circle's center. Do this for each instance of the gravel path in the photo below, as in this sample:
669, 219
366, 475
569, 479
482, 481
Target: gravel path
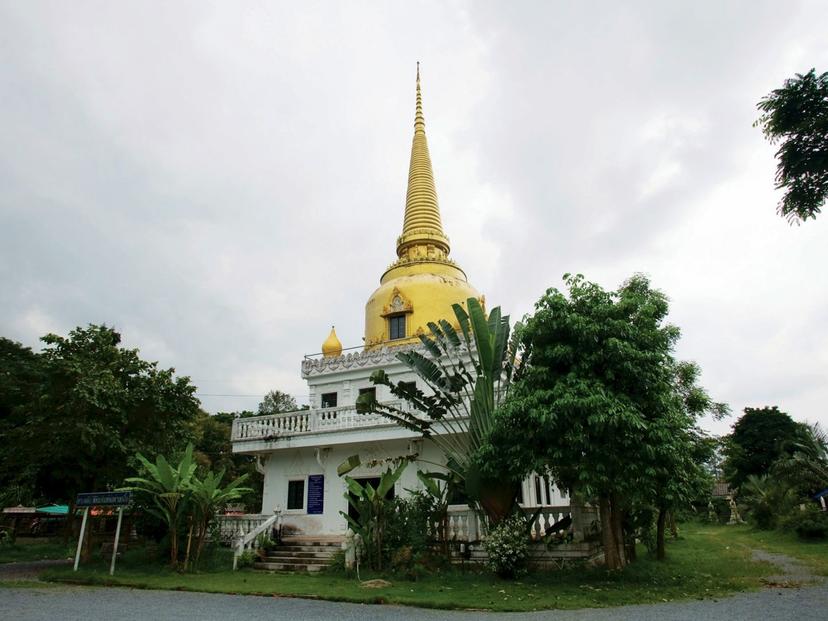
29, 570
68, 602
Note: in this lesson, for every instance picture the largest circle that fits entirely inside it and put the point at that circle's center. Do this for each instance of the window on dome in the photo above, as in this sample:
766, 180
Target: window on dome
397, 327
329, 400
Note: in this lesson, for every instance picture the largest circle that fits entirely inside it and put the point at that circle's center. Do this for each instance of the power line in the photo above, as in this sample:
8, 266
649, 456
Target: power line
212, 394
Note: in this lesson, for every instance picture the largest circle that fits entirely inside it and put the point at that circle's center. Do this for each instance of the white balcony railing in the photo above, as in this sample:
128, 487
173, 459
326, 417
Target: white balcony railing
305, 422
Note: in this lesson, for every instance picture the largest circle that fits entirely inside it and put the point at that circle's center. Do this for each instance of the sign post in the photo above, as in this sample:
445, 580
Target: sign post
102, 499
80, 539
117, 537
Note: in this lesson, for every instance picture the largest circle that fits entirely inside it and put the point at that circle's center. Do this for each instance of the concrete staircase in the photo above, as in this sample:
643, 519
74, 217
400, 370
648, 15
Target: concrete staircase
300, 554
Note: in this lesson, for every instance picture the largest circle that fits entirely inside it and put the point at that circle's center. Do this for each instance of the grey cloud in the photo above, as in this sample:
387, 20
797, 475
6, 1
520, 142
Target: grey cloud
224, 184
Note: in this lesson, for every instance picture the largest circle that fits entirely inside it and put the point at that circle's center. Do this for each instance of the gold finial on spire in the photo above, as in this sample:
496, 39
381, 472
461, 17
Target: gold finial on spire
332, 347
422, 226
419, 120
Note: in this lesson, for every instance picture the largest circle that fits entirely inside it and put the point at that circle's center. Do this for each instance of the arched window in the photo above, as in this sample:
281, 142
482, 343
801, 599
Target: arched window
396, 327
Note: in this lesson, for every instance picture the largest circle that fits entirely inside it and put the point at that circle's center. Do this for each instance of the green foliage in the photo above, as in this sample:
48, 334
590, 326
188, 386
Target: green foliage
809, 523
806, 469
409, 521
177, 496
469, 374
759, 438
207, 497
373, 508
796, 116
766, 499
276, 402
611, 411
508, 547
214, 451
246, 559
167, 488
73, 417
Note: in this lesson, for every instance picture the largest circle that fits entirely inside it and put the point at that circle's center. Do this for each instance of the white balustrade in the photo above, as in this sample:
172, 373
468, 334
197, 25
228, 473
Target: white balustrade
465, 524
301, 422
246, 539
229, 526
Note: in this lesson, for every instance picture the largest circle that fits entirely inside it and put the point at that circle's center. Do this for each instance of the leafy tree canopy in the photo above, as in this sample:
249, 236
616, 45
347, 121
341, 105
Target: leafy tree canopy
602, 404
214, 451
796, 117
85, 407
276, 402
759, 438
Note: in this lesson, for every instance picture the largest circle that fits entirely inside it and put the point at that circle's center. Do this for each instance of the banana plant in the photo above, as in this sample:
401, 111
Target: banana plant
440, 495
371, 506
467, 371
168, 488
208, 497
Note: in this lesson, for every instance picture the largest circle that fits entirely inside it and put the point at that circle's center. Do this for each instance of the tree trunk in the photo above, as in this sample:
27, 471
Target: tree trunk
618, 527
174, 546
69, 525
200, 539
662, 518
629, 539
189, 544
612, 557
673, 525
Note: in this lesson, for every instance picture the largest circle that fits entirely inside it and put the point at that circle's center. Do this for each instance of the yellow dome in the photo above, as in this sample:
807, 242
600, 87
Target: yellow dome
423, 283
332, 348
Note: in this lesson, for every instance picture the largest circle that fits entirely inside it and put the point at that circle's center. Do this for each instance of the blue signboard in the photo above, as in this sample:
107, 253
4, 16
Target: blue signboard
316, 493
104, 499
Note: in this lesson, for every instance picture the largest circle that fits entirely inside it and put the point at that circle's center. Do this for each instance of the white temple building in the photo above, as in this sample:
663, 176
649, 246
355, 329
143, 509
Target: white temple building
299, 452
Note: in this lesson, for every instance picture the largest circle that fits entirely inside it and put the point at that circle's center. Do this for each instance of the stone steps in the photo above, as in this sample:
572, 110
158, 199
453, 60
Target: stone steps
266, 566
305, 554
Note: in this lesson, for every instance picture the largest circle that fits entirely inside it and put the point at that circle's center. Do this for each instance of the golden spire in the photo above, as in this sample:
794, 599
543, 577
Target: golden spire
332, 347
422, 227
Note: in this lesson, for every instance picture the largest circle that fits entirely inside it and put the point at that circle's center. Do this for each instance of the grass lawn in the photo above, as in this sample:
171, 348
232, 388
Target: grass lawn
707, 562
814, 554
34, 550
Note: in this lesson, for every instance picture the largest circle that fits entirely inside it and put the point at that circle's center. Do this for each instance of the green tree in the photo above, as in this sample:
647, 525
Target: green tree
598, 405
759, 438
681, 452
276, 402
796, 117
94, 406
806, 469
21, 376
214, 451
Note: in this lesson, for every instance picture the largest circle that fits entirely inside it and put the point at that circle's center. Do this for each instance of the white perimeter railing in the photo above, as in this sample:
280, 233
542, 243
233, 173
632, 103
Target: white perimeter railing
229, 526
304, 422
464, 524
247, 540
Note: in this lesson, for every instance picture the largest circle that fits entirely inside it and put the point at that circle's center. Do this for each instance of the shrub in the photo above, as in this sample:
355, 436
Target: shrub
808, 523
246, 559
508, 547
407, 525
337, 563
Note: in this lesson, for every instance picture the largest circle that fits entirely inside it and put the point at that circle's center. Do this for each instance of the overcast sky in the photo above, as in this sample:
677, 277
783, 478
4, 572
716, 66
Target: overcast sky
222, 182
